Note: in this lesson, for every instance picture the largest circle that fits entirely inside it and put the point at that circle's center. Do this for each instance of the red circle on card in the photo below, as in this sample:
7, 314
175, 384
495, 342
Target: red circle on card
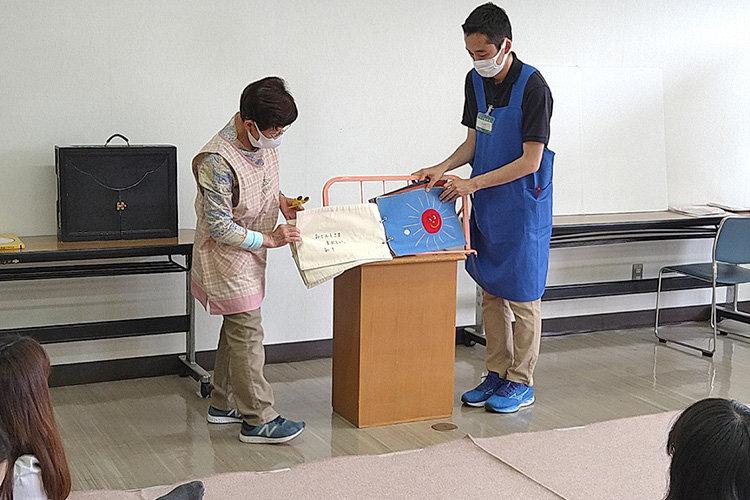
431, 221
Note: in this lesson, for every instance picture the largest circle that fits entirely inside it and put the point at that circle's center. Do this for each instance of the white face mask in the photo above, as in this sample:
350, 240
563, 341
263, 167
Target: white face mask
264, 142
487, 68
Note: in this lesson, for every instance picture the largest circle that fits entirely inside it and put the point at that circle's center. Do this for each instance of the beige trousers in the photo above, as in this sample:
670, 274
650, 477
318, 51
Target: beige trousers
510, 354
238, 373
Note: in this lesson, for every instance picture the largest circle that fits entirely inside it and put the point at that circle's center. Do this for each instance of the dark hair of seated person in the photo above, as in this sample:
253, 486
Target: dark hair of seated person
710, 448
26, 415
4, 455
193, 490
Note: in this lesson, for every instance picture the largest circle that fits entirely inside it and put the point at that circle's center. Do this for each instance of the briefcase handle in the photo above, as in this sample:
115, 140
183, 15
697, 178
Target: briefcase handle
120, 136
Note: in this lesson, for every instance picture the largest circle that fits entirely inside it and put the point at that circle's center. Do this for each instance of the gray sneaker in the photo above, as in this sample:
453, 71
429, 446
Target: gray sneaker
216, 416
277, 431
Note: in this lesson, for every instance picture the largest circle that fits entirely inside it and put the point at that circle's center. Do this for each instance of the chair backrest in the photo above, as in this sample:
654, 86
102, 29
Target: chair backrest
732, 243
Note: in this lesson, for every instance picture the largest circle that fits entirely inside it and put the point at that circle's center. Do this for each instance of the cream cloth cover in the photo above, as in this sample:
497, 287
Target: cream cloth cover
338, 238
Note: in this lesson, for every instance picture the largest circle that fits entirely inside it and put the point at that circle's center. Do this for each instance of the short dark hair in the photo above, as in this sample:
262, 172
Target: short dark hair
490, 21
268, 103
710, 449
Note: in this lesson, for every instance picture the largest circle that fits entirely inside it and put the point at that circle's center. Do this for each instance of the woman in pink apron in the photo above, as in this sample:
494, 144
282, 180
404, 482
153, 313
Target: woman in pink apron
237, 206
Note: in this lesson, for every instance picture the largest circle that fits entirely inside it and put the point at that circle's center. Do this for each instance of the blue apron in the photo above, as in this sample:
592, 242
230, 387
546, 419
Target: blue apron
510, 224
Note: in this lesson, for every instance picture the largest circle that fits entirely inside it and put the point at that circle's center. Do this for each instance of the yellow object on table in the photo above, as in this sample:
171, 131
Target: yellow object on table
11, 242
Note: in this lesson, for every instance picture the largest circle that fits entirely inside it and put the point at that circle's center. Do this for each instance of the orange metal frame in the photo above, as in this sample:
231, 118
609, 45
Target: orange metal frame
386, 178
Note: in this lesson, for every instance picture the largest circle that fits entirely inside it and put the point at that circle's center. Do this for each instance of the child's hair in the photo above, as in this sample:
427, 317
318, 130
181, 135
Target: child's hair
27, 417
710, 449
4, 454
4, 449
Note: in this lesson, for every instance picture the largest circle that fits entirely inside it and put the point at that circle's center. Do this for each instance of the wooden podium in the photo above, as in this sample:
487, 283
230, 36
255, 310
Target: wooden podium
394, 340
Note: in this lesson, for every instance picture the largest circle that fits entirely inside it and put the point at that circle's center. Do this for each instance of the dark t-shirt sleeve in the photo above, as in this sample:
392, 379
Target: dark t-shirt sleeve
470, 104
536, 105
537, 110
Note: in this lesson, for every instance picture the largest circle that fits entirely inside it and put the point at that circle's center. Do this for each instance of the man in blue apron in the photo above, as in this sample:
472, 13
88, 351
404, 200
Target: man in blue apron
507, 110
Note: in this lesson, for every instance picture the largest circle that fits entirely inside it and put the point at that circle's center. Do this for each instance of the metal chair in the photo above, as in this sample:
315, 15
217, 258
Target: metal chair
731, 249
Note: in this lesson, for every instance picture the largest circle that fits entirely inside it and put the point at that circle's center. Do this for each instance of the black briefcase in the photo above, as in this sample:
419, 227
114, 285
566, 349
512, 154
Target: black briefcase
116, 192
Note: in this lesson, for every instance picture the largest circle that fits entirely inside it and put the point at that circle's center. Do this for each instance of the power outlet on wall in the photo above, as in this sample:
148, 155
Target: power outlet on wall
637, 273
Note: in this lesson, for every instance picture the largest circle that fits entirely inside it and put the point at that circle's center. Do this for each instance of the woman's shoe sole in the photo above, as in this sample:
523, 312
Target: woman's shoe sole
269, 440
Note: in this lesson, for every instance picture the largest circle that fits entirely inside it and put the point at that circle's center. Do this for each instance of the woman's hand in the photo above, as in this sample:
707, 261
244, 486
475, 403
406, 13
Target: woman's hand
285, 204
282, 235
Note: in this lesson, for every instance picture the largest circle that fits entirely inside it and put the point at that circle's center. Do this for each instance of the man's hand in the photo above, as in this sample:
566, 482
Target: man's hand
284, 204
433, 174
455, 188
282, 235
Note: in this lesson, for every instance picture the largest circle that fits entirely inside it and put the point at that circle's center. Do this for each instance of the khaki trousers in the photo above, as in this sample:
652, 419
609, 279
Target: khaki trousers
238, 373
510, 354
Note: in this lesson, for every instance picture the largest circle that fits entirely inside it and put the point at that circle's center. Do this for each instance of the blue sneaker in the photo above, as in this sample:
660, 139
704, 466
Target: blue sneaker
510, 398
277, 431
477, 396
217, 416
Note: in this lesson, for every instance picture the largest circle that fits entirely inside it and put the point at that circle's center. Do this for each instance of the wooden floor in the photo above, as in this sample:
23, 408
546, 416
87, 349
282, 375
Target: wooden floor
138, 433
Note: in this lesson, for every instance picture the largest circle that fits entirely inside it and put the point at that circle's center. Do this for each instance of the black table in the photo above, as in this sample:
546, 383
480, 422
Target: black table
617, 228
608, 229
45, 257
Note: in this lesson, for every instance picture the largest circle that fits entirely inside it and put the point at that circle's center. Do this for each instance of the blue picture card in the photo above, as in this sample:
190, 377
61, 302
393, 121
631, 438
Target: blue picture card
417, 221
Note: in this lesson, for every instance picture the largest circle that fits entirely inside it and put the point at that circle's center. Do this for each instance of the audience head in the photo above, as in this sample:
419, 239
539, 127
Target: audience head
710, 448
4, 456
27, 417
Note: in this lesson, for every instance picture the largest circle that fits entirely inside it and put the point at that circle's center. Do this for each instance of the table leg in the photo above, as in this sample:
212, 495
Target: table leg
475, 333
194, 369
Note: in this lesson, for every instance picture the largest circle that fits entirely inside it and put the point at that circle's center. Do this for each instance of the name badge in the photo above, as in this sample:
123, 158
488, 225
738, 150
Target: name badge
485, 121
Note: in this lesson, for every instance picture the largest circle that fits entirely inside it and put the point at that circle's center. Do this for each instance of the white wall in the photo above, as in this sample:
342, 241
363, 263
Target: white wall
379, 85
